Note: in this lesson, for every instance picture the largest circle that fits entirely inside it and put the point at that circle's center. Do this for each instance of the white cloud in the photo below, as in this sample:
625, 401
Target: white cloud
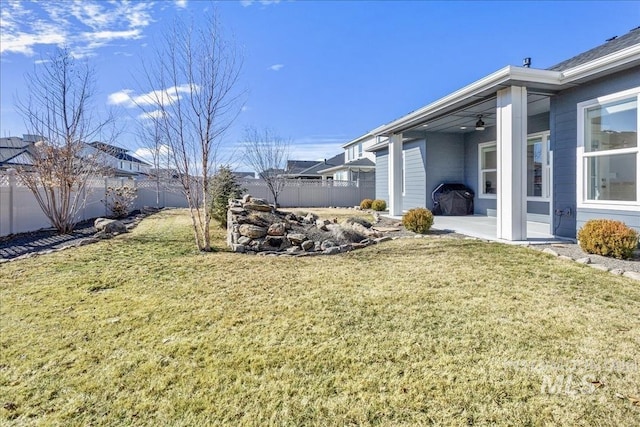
84, 25
167, 96
245, 108
247, 3
181, 4
276, 67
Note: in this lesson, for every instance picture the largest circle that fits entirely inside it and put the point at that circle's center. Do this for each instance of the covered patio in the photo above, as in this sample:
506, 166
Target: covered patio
485, 227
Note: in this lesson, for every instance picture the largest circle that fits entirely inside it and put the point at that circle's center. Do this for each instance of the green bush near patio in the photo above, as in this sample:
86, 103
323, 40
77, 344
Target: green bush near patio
143, 330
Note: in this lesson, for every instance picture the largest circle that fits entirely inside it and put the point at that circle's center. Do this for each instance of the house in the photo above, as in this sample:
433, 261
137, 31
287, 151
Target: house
298, 169
119, 159
357, 164
557, 145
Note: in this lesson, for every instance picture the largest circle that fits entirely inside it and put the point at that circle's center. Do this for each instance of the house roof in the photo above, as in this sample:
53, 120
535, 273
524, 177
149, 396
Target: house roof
535, 80
117, 152
362, 164
313, 170
612, 45
296, 166
15, 156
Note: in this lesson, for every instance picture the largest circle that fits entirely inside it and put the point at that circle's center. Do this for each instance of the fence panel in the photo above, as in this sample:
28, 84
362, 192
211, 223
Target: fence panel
20, 212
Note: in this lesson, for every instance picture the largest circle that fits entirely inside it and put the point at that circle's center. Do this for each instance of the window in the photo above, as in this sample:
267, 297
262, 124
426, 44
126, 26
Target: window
488, 170
608, 154
360, 150
538, 166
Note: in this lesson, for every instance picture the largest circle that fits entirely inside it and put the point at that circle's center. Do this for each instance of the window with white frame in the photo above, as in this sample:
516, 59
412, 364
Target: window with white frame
538, 166
488, 170
608, 153
360, 150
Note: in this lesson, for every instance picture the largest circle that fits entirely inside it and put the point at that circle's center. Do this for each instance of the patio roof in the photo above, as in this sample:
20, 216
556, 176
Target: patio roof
479, 97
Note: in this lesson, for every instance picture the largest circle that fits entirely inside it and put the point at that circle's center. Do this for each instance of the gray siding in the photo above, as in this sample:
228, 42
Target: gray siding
445, 161
632, 219
563, 123
382, 175
415, 173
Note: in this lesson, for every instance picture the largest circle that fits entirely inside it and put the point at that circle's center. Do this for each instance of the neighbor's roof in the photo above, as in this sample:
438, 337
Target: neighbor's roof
333, 161
297, 166
15, 156
612, 45
363, 164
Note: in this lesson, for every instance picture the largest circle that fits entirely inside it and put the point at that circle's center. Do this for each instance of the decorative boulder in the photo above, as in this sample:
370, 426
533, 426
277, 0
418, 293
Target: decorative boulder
296, 238
276, 229
258, 205
310, 218
321, 224
307, 245
252, 231
109, 226
327, 244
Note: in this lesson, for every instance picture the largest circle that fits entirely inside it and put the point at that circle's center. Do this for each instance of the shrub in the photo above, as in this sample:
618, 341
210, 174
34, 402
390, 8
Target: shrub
418, 220
366, 204
379, 205
224, 186
119, 200
608, 237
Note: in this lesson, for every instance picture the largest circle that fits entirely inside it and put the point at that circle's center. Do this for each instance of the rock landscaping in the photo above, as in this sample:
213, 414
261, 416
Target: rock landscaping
255, 227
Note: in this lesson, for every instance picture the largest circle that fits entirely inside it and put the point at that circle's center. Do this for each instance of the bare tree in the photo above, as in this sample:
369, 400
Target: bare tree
193, 99
58, 109
267, 153
151, 139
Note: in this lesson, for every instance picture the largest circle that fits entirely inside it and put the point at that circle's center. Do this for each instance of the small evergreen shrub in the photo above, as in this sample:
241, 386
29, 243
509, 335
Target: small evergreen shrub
224, 186
608, 238
119, 200
366, 204
418, 220
379, 205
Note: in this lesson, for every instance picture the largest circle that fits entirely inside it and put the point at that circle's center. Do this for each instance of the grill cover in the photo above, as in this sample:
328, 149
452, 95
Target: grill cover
452, 199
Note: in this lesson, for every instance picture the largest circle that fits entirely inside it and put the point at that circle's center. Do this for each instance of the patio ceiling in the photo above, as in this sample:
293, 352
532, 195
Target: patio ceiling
464, 120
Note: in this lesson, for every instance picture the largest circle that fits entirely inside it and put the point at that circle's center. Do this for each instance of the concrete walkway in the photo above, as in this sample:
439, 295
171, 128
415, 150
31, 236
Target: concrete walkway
484, 227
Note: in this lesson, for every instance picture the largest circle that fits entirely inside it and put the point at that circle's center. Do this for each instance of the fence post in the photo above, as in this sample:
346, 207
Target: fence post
106, 202
12, 186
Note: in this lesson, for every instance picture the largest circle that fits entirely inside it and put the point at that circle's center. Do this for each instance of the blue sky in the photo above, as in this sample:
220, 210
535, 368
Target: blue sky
318, 72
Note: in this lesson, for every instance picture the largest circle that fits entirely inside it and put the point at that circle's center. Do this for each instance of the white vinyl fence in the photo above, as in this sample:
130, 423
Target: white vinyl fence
309, 193
20, 212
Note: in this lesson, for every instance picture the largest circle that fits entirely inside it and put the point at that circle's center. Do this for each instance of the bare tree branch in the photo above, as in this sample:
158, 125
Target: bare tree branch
193, 99
267, 153
59, 111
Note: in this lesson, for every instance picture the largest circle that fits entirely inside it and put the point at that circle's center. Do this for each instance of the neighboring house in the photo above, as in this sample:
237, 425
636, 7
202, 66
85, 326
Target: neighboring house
558, 145
357, 164
16, 151
119, 159
297, 169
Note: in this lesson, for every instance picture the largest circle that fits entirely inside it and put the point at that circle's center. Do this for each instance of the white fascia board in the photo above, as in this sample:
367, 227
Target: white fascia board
491, 82
602, 64
369, 135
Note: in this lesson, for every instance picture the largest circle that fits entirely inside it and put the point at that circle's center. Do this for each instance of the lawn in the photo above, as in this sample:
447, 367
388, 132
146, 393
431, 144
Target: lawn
143, 330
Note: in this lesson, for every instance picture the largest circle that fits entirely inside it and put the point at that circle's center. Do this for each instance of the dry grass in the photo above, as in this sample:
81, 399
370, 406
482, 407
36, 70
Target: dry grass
142, 330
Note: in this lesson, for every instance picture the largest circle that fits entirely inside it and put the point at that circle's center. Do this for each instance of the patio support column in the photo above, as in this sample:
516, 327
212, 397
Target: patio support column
395, 174
511, 134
